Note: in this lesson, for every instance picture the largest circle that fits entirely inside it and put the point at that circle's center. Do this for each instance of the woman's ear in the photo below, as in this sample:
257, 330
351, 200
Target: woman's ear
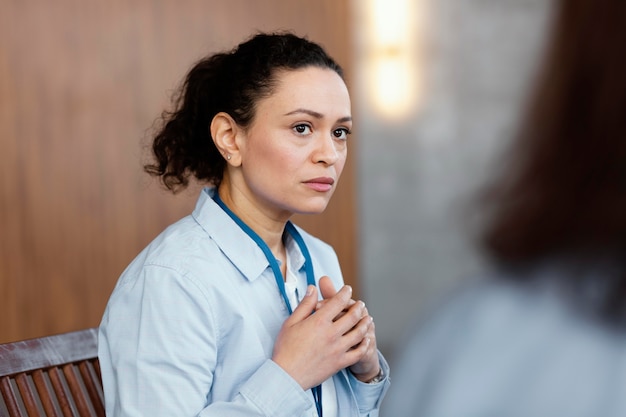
224, 131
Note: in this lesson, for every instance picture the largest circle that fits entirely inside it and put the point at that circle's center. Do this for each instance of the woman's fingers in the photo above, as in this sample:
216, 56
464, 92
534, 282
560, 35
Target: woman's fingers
326, 287
306, 306
335, 305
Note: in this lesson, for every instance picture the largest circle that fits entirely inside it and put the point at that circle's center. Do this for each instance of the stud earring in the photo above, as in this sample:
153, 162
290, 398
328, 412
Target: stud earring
228, 157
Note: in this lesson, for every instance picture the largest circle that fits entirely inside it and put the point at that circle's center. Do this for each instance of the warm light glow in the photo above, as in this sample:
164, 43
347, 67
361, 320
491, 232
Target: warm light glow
390, 22
389, 53
393, 86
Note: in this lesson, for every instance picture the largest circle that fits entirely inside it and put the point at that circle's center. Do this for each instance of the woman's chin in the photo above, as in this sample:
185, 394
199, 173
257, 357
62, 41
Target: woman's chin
313, 209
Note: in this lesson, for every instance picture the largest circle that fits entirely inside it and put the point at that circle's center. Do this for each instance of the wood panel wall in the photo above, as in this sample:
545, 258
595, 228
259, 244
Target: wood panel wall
80, 85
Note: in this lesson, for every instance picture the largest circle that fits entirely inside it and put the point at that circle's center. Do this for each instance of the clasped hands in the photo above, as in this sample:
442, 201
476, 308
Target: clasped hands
340, 334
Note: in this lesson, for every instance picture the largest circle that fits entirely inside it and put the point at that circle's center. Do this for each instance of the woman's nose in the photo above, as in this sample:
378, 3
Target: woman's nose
326, 151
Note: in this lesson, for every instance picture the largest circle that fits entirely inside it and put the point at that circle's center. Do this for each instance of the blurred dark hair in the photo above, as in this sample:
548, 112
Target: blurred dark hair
563, 188
230, 82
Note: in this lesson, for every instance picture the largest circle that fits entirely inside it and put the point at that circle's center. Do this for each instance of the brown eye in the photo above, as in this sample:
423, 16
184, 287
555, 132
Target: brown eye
341, 133
302, 129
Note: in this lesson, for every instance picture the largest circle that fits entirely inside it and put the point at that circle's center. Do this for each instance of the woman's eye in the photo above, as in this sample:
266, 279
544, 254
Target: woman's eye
302, 129
341, 133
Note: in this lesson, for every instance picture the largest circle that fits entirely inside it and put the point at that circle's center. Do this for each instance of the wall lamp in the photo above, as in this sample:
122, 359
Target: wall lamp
387, 36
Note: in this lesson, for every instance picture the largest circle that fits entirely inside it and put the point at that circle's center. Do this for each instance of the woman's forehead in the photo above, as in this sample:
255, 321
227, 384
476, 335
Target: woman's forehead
310, 86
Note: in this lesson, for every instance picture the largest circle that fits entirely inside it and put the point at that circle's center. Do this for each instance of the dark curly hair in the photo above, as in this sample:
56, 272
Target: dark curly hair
230, 82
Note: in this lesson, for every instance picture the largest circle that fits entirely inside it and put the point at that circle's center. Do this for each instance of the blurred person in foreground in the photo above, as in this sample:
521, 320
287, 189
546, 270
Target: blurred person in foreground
545, 334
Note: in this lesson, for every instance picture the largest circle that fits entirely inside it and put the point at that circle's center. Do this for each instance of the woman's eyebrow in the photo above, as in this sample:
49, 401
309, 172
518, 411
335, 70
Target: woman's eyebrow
306, 111
317, 115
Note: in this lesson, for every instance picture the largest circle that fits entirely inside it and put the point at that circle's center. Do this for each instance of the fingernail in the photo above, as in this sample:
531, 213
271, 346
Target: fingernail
309, 290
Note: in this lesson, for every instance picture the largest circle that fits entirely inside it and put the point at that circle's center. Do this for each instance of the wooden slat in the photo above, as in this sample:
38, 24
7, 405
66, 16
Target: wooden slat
78, 394
61, 394
45, 393
96, 367
10, 397
92, 384
26, 391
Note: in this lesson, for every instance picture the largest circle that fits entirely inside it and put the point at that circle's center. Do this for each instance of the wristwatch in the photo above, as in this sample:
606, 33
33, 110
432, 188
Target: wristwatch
377, 378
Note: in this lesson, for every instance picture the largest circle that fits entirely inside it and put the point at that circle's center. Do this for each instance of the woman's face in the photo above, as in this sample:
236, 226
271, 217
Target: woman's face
293, 152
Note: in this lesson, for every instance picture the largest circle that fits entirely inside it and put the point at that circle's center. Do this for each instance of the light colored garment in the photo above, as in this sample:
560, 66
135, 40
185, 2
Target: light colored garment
504, 349
190, 327
329, 397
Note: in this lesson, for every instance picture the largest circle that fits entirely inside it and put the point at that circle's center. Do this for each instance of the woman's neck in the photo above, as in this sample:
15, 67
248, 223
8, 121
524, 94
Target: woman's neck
269, 229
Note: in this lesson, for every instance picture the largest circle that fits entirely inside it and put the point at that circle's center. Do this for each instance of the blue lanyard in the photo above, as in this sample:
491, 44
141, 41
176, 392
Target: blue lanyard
280, 281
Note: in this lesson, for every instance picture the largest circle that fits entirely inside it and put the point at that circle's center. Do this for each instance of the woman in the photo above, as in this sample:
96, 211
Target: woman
215, 317
545, 333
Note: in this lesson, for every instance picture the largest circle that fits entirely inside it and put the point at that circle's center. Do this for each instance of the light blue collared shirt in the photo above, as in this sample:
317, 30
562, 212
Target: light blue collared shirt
190, 328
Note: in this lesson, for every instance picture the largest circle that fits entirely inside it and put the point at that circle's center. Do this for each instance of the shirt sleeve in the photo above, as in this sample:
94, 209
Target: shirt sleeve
149, 342
370, 395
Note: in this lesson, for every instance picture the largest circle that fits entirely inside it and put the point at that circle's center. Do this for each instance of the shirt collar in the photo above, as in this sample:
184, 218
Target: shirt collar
236, 245
295, 257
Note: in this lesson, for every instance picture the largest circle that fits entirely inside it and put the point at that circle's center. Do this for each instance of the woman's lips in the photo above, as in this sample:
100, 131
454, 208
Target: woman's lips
321, 184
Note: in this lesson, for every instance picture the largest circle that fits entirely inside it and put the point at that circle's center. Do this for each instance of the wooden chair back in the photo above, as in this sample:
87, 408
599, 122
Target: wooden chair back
52, 376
